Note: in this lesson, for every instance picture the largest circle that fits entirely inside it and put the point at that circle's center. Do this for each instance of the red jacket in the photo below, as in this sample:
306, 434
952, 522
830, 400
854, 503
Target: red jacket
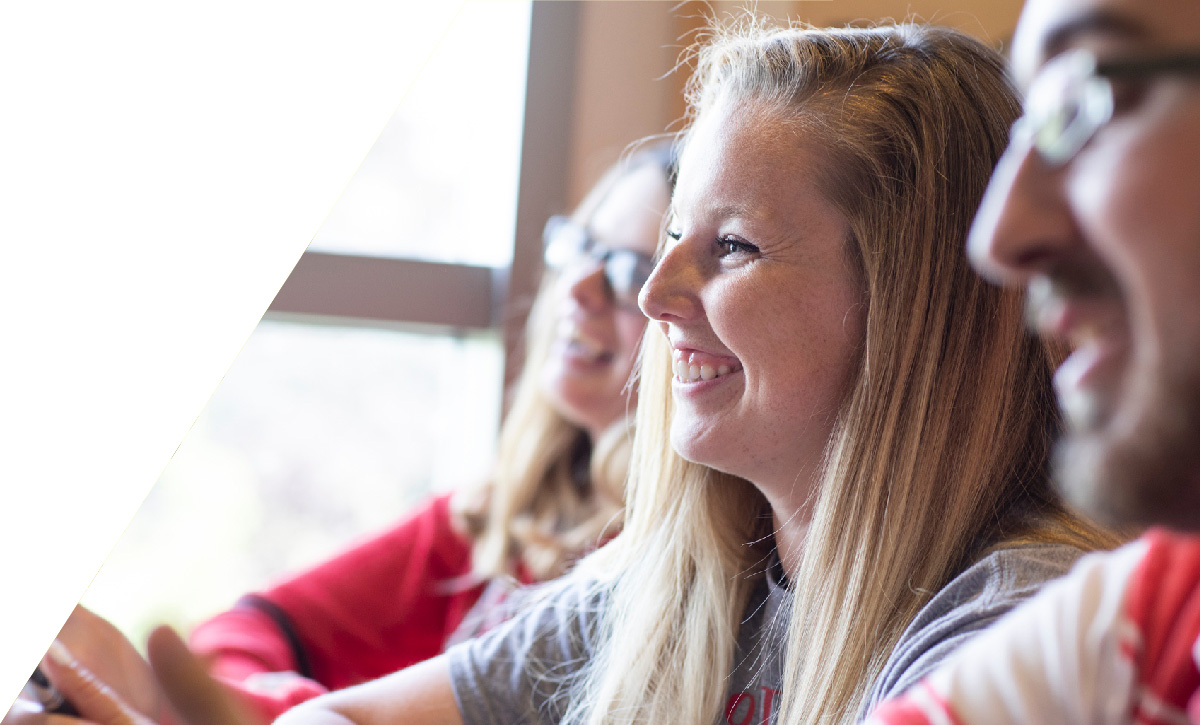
384, 604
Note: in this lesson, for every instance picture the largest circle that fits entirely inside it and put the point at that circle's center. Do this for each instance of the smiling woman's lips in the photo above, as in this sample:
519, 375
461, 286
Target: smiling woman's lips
576, 342
590, 356
690, 366
584, 354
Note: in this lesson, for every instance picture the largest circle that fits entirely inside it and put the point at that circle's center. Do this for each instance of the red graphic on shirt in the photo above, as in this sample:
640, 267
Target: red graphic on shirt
743, 706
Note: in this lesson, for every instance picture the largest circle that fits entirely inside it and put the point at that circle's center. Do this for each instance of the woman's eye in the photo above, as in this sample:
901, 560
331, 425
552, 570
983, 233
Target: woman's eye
674, 236
731, 245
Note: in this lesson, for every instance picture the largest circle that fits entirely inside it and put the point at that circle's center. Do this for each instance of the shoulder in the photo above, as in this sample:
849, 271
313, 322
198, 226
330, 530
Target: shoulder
434, 524
559, 617
1068, 654
1007, 574
1014, 571
439, 509
1162, 606
517, 672
430, 519
973, 600
989, 588
426, 534
1167, 576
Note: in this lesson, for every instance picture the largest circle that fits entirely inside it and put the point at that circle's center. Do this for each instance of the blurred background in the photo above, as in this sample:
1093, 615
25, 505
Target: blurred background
377, 375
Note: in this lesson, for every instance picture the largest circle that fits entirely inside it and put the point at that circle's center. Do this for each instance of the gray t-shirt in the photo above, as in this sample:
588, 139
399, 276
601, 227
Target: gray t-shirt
520, 672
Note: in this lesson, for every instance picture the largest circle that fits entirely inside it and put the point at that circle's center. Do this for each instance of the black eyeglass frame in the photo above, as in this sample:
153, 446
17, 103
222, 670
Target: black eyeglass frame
1182, 62
625, 270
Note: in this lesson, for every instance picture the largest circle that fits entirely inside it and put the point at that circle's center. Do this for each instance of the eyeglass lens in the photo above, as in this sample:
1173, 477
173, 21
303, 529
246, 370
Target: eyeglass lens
1072, 98
1066, 105
568, 243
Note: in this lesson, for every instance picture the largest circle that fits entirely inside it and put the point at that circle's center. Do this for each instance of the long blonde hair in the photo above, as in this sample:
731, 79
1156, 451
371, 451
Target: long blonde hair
553, 494
941, 446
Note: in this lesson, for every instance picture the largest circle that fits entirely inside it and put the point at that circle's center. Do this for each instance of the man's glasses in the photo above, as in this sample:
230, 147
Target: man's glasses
568, 243
1072, 97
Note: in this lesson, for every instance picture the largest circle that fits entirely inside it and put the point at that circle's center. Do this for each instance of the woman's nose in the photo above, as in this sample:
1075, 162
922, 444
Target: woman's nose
1024, 223
672, 291
588, 286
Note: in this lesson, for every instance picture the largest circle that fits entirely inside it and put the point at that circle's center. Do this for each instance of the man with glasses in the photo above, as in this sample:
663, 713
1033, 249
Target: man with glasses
1095, 209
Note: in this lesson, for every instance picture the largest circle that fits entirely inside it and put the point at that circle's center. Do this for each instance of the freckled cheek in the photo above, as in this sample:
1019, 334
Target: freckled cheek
829, 349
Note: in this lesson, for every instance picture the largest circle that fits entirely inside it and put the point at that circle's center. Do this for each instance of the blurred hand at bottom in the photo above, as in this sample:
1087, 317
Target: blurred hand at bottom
95, 701
195, 697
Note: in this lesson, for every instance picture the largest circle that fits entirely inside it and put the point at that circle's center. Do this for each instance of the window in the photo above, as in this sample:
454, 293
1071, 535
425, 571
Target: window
376, 377
316, 435
440, 184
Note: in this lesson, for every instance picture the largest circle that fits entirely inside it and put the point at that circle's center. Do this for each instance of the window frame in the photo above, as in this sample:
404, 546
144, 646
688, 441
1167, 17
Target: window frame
444, 298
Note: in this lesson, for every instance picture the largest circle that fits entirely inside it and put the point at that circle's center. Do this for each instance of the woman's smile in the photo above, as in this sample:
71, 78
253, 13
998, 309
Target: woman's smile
694, 366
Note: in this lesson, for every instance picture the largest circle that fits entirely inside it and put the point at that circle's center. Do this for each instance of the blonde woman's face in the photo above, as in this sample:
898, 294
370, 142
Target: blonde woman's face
761, 307
596, 335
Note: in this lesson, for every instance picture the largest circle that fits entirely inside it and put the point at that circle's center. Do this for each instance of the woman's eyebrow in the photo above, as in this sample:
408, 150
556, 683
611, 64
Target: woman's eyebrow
732, 210
718, 210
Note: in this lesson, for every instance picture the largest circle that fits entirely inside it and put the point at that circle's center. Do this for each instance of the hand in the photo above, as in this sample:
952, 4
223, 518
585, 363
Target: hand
101, 649
196, 698
96, 701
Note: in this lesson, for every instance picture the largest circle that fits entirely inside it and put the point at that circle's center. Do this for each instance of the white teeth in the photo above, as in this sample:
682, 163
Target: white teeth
588, 346
691, 372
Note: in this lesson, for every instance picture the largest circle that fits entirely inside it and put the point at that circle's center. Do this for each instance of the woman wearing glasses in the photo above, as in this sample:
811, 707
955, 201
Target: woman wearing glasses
451, 569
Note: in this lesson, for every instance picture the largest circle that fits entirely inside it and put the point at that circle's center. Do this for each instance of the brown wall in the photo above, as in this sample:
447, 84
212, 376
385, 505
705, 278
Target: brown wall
626, 49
